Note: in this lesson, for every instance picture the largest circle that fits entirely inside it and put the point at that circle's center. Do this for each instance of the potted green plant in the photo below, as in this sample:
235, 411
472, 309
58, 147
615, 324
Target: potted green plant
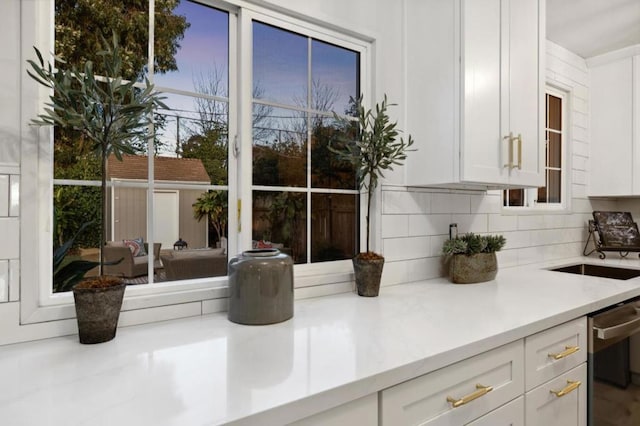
473, 257
111, 114
375, 148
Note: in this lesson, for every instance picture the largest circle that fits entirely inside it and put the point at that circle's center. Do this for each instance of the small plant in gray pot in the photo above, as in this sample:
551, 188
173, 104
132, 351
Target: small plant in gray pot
472, 257
375, 148
112, 115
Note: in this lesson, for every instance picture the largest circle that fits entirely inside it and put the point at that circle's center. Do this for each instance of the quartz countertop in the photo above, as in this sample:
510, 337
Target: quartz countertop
207, 370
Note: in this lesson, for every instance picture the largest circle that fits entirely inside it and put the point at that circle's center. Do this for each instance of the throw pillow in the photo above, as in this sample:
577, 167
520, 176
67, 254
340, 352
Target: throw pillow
136, 246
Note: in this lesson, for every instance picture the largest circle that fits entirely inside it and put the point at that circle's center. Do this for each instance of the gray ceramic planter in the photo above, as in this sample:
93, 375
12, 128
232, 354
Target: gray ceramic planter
97, 312
475, 268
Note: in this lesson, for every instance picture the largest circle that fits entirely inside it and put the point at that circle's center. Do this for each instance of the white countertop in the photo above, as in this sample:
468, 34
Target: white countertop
207, 370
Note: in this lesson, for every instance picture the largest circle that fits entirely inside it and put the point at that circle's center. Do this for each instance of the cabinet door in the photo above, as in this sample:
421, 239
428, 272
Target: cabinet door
483, 147
511, 414
523, 91
611, 129
544, 406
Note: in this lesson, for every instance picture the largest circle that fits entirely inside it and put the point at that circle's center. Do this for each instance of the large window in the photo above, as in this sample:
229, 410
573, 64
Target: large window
553, 194
175, 192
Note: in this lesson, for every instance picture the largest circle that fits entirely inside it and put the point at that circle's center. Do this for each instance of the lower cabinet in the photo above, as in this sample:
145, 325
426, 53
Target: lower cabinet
459, 393
361, 412
561, 401
539, 380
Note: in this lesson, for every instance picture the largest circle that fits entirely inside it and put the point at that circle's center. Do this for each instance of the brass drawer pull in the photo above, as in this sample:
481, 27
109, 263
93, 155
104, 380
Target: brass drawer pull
569, 350
482, 390
509, 139
571, 386
519, 139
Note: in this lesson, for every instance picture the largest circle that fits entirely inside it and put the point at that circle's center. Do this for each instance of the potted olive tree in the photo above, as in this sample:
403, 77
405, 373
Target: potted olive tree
472, 257
111, 114
375, 148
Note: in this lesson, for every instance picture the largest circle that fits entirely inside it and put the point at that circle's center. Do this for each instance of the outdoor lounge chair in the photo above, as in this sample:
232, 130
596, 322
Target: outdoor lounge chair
131, 266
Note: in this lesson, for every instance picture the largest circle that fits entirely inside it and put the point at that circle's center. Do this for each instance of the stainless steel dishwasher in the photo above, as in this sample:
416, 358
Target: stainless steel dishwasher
612, 356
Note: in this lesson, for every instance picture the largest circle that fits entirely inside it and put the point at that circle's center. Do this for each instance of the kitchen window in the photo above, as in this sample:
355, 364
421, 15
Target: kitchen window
553, 194
240, 158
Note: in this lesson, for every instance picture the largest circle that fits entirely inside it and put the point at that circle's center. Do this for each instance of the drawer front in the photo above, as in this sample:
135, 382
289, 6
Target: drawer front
554, 351
361, 412
544, 407
423, 400
511, 414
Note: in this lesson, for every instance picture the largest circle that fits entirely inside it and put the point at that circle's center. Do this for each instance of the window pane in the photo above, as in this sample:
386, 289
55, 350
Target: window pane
554, 148
327, 171
553, 186
200, 61
513, 198
334, 76
279, 147
280, 67
554, 112
280, 221
333, 228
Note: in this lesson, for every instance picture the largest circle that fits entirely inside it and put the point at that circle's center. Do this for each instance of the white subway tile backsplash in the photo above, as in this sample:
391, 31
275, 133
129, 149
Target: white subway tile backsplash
405, 202
451, 203
517, 239
501, 223
395, 225
433, 224
579, 163
412, 270
477, 223
489, 203
406, 248
531, 221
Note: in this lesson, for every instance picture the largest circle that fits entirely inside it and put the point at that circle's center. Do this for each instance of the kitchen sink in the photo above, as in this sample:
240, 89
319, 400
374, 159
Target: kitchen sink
600, 271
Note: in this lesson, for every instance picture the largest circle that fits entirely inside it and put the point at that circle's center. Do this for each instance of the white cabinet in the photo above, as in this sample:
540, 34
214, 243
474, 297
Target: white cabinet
476, 101
556, 375
560, 401
511, 414
459, 393
362, 412
615, 127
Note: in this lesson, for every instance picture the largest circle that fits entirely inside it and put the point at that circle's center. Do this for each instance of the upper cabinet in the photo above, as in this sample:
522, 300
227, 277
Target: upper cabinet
475, 93
615, 124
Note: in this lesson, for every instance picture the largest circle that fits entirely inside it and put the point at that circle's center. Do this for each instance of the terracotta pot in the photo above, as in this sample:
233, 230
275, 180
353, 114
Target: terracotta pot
474, 268
97, 312
368, 273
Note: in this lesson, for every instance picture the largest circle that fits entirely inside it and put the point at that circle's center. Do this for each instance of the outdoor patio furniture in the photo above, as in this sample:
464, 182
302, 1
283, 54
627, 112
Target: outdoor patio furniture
131, 266
190, 264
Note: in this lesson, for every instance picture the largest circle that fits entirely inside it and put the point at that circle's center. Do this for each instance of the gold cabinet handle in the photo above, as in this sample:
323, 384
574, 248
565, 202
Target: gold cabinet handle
482, 390
519, 139
571, 386
568, 351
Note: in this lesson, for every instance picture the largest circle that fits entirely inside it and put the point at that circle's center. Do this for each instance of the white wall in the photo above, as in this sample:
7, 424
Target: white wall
413, 223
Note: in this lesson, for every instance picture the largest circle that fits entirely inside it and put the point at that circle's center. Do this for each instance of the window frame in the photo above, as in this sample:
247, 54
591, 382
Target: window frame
38, 303
531, 194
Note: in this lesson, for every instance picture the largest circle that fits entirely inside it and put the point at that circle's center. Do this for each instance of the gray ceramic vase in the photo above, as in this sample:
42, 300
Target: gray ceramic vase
260, 287
474, 268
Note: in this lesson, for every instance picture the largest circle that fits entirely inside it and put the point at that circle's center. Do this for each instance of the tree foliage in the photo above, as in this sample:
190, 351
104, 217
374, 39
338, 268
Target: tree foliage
214, 206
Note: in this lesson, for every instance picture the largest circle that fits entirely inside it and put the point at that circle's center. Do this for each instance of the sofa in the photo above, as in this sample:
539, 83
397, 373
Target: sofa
190, 264
131, 266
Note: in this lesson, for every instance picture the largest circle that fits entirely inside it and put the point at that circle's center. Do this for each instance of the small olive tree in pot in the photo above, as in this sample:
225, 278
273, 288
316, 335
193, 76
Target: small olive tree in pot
111, 114
375, 148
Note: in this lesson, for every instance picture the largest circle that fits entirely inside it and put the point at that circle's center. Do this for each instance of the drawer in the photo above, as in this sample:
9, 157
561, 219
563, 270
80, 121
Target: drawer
544, 406
554, 351
511, 414
424, 400
361, 412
